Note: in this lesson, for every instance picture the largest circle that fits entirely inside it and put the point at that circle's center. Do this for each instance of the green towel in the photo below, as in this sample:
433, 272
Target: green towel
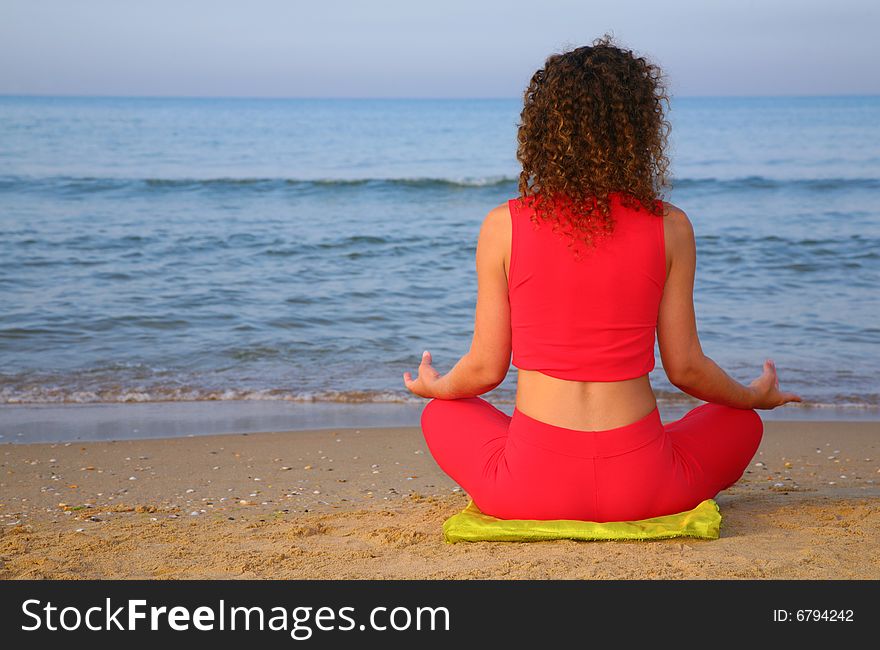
471, 525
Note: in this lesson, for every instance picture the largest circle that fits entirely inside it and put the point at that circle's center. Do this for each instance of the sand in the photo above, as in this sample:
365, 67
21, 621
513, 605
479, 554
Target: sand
369, 503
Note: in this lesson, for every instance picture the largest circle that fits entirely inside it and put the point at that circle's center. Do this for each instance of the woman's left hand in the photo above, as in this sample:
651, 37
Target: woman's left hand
423, 385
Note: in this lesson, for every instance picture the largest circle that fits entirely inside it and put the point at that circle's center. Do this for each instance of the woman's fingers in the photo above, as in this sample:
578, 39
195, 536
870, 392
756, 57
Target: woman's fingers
426, 361
768, 386
771, 373
426, 370
426, 374
413, 385
775, 374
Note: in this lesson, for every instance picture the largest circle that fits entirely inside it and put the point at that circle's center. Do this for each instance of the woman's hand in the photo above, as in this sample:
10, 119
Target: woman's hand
427, 377
766, 389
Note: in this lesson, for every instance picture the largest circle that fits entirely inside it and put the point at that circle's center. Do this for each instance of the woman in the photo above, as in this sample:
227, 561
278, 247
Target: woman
574, 278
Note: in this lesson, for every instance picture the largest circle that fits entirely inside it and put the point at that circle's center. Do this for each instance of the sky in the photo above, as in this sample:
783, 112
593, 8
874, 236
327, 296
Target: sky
453, 48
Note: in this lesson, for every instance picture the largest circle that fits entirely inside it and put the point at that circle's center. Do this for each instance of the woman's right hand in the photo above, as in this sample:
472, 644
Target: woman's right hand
765, 389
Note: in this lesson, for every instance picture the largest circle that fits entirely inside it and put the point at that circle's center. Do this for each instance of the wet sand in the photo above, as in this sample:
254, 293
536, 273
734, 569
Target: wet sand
369, 503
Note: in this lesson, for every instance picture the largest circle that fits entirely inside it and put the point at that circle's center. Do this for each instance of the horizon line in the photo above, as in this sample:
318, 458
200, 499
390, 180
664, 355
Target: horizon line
399, 97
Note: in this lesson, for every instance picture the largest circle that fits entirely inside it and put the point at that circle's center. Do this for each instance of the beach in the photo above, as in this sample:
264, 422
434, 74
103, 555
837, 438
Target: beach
370, 503
181, 276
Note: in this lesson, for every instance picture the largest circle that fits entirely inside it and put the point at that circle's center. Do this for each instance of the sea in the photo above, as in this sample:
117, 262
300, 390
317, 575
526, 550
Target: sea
286, 260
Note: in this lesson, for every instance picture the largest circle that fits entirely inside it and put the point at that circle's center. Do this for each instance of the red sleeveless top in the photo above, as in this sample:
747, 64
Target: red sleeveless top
592, 319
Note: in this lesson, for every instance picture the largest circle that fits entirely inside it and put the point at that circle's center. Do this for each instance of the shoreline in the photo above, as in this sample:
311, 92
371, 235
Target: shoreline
370, 503
104, 421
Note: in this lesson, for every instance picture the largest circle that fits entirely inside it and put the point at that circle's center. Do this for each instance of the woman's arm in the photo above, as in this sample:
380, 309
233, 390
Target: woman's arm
486, 363
683, 360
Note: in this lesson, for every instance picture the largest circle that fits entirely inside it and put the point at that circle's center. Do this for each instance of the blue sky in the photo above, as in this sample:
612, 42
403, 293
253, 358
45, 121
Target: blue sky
454, 48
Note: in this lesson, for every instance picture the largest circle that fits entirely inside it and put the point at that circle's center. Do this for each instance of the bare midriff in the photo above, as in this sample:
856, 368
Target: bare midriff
583, 405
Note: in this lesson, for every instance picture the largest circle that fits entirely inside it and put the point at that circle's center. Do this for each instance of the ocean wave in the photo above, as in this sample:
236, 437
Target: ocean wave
33, 395
71, 185
92, 185
749, 183
115, 395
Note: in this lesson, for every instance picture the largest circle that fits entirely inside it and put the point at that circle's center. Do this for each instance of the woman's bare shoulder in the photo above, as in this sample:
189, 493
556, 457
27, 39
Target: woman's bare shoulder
671, 210
496, 232
500, 212
676, 221
497, 222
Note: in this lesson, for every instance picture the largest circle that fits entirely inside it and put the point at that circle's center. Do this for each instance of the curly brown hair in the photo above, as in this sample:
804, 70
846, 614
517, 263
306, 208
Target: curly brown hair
593, 124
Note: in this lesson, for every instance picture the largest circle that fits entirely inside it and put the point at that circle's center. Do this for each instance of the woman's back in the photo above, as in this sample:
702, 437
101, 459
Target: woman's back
583, 320
585, 440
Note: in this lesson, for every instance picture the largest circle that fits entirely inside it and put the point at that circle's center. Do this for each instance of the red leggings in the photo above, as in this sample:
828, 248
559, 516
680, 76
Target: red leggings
521, 468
